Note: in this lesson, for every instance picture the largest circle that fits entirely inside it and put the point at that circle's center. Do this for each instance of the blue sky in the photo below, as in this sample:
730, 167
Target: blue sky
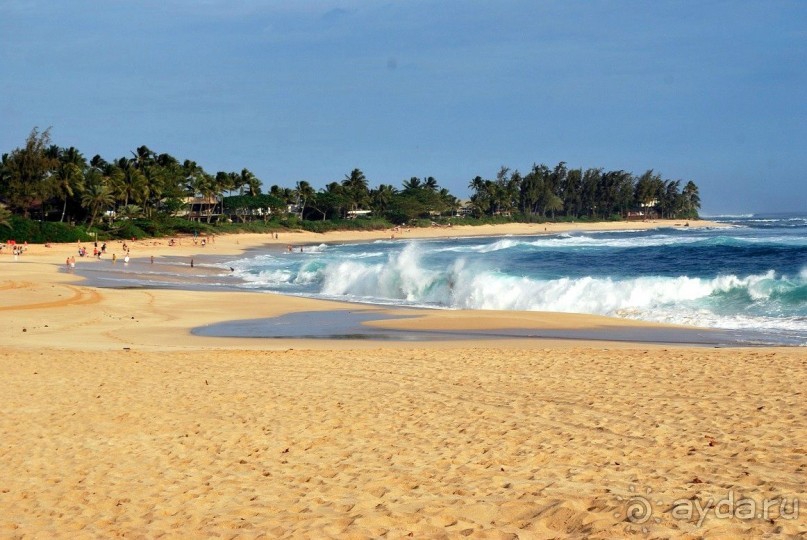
705, 91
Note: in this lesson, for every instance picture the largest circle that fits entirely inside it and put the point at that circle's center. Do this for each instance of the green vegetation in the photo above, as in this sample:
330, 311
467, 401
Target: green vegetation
50, 193
575, 194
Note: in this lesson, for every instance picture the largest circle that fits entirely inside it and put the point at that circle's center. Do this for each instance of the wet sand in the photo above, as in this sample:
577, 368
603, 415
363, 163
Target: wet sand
407, 324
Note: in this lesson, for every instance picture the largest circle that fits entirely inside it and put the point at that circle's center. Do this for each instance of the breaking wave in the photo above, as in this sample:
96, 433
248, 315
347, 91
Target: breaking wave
763, 301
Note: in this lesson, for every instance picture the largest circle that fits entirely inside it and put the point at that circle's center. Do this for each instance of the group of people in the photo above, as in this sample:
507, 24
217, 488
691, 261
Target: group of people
96, 252
16, 249
206, 240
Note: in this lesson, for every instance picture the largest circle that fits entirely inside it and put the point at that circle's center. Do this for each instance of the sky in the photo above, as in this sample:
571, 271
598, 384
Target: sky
708, 91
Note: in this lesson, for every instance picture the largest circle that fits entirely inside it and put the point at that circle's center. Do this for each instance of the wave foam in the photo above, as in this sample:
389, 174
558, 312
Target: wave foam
726, 301
468, 278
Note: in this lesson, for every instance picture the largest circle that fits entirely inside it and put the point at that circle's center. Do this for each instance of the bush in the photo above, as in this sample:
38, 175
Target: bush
360, 224
420, 222
128, 229
249, 226
39, 232
488, 220
290, 222
158, 227
168, 226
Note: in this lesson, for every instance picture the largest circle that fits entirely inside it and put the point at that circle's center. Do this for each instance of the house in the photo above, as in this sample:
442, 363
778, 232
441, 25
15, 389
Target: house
201, 208
464, 210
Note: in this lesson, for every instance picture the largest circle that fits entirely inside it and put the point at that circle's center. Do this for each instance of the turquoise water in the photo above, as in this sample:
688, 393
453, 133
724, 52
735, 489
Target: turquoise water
751, 276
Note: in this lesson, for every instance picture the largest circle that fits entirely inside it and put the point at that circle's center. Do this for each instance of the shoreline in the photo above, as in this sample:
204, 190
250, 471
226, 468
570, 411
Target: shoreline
422, 329
576, 327
229, 244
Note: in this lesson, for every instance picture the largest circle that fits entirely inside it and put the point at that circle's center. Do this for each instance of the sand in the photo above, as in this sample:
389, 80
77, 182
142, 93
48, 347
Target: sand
116, 421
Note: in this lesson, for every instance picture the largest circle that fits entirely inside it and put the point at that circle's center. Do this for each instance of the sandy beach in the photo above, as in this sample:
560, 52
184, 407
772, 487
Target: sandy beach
117, 421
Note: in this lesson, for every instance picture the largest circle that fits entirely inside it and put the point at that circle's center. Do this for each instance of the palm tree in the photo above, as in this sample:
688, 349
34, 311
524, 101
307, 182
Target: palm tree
413, 184
276, 191
191, 172
477, 184
284, 194
143, 157
480, 199
166, 161
131, 183
339, 198
224, 182
494, 195
206, 186
692, 198
430, 183
97, 162
157, 181
670, 200
254, 187
251, 182
382, 197
97, 195
450, 201
69, 175
304, 193
130, 211
234, 180
356, 187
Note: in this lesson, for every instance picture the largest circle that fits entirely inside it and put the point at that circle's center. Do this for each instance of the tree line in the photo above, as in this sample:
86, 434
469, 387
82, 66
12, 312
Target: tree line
575, 193
46, 182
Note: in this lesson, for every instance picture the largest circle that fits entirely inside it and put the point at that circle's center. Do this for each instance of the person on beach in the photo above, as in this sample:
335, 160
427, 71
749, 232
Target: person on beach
126, 259
152, 259
114, 258
191, 263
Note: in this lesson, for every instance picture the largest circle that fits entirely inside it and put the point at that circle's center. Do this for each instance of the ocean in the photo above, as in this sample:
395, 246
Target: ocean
748, 278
